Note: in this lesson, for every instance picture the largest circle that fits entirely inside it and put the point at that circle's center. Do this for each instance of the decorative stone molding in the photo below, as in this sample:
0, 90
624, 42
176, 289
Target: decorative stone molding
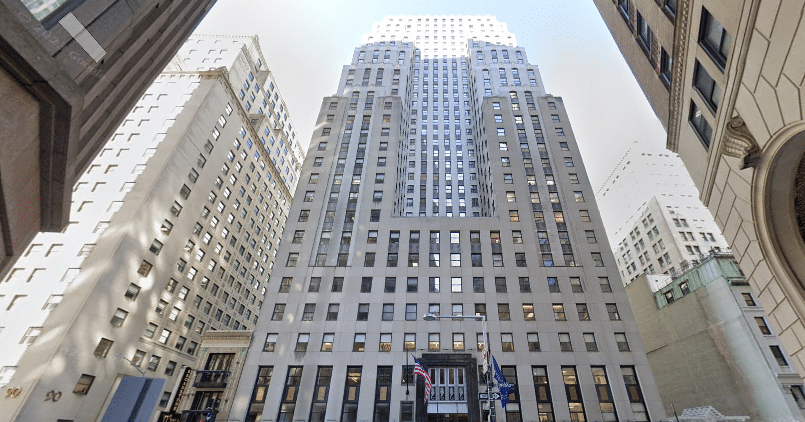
680, 53
738, 142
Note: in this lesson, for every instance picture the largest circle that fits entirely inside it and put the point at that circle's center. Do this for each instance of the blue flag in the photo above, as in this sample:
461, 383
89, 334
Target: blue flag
504, 388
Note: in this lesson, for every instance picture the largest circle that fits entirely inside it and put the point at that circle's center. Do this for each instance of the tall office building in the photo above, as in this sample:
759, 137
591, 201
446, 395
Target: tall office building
643, 173
443, 180
70, 71
726, 80
664, 239
175, 228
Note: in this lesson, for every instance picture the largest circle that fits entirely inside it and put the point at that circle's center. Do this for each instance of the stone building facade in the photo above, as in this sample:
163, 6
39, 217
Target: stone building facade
442, 179
733, 108
176, 226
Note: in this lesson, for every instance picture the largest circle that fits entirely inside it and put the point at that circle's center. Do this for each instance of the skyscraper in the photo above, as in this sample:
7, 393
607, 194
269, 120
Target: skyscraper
726, 81
641, 174
664, 239
443, 180
176, 225
70, 71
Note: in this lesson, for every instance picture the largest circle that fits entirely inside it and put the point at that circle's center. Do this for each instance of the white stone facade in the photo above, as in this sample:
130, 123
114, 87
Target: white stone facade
176, 225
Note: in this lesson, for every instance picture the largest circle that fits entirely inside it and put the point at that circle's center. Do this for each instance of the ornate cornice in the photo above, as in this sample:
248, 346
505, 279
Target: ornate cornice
738, 142
680, 54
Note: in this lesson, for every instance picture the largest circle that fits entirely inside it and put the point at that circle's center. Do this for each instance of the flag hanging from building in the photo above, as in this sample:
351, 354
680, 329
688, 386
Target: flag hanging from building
419, 370
504, 388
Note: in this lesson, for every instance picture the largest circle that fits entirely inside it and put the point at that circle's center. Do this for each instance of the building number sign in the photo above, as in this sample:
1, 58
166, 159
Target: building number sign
53, 396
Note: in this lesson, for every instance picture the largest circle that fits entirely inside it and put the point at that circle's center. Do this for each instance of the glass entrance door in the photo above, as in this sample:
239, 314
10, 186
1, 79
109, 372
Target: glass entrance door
447, 417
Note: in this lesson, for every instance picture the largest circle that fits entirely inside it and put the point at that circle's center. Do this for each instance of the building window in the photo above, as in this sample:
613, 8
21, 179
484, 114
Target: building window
543, 393
553, 285
363, 312
589, 342
338, 284
525, 285
388, 312
309, 310
761, 324
349, 410
455, 284
605, 400
623, 8
290, 393
714, 39
279, 311
598, 260
332, 312
623, 344
359, 342
271, 342
635, 394
612, 311
799, 395
583, 312
503, 312
478, 285
528, 312
285, 284
666, 67
573, 390
103, 347
500, 285
778, 354
700, 125
458, 341
559, 312
707, 87
603, 282
366, 285
321, 391
118, 318
84, 384
644, 35
433, 342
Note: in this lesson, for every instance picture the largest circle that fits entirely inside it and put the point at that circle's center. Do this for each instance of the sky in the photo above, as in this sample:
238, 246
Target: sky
306, 44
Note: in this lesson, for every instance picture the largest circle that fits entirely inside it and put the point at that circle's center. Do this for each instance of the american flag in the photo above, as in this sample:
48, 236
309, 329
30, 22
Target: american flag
419, 370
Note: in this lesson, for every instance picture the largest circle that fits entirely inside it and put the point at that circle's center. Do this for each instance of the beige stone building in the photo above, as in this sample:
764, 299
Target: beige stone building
70, 71
726, 79
709, 343
208, 387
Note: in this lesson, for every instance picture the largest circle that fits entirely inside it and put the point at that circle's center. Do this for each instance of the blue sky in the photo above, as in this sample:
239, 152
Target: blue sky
306, 43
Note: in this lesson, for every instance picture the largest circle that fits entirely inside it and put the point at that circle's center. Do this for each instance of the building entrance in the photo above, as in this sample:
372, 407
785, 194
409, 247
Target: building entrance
454, 393
447, 417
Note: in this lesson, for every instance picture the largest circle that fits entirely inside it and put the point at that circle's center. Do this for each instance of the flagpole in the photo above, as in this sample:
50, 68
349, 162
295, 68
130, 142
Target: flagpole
409, 381
488, 374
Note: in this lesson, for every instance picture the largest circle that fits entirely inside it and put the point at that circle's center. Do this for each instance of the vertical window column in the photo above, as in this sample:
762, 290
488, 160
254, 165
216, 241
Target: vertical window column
290, 394
573, 390
635, 394
605, 400
382, 411
352, 388
320, 393
542, 389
